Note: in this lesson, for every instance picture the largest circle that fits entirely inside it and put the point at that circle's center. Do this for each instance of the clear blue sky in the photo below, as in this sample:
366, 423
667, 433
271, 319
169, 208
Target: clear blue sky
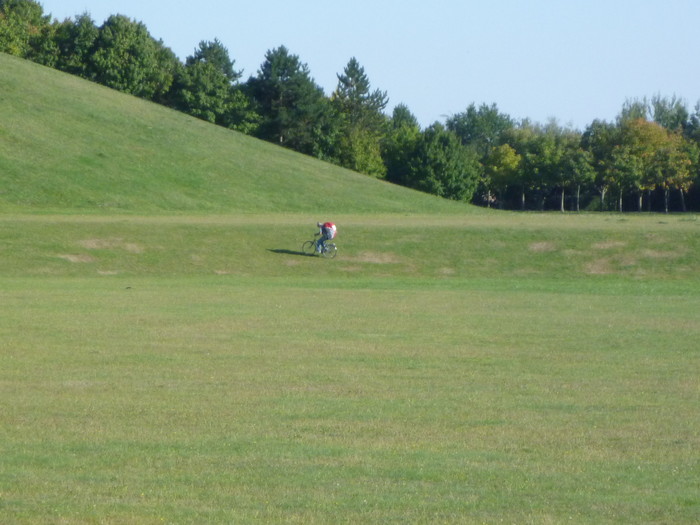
572, 60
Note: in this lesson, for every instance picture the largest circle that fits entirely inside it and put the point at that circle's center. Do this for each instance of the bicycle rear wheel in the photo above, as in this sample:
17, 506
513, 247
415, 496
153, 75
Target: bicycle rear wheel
308, 248
330, 251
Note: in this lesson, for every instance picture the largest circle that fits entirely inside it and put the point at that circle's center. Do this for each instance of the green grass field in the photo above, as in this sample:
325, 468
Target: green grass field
201, 369
168, 356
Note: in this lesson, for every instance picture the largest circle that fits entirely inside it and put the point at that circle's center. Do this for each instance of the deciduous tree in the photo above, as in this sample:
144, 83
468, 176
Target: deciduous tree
671, 113
128, 59
75, 40
443, 166
501, 169
643, 139
22, 27
482, 127
600, 138
578, 165
398, 148
624, 172
203, 87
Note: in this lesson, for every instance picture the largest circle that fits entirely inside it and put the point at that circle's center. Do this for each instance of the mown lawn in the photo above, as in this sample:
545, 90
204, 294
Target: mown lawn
187, 370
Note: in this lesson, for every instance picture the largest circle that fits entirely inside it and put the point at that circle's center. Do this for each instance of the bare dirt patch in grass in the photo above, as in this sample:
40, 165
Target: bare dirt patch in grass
111, 243
600, 266
607, 245
76, 258
542, 246
661, 254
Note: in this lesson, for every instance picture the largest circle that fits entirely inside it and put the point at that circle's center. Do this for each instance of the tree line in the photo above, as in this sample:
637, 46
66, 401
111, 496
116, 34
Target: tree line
648, 159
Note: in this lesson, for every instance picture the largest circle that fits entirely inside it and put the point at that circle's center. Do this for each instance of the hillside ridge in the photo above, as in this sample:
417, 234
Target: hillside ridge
67, 144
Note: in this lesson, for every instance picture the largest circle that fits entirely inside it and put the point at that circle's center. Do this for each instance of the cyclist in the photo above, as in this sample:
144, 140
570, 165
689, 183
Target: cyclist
327, 231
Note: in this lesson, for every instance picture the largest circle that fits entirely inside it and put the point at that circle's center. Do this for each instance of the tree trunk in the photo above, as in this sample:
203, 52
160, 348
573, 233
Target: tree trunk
666, 192
562, 201
522, 200
620, 201
641, 201
683, 200
578, 198
602, 199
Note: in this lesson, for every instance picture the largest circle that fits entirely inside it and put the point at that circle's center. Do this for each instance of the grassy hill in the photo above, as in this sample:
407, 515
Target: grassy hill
68, 144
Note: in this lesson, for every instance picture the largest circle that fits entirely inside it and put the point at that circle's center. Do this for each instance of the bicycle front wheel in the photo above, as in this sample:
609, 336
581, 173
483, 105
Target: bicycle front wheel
308, 248
330, 251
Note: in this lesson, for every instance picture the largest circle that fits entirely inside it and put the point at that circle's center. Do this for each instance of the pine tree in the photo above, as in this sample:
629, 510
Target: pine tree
362, 122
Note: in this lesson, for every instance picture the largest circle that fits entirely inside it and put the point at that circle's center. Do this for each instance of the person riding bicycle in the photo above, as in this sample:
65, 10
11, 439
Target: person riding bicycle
327, 231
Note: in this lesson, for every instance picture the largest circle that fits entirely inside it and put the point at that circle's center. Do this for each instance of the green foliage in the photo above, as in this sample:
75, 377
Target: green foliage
399, 146
240, 114
76, 42
205, 88
361, 152
201, 90
23, 28
128, 59
659, 156
363, 125
523, 140
443, 166
501, 169
355, 98
288, 100
692, 128
671, 113
216, 54
481, 128
578, 165
542, 161
633, 110
624, 172
600, 139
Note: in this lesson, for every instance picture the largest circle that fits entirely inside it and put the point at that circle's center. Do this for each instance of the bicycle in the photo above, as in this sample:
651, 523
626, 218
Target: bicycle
328, 249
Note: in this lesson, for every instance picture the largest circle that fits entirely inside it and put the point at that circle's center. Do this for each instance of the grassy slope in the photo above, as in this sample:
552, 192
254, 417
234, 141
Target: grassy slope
67, 144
